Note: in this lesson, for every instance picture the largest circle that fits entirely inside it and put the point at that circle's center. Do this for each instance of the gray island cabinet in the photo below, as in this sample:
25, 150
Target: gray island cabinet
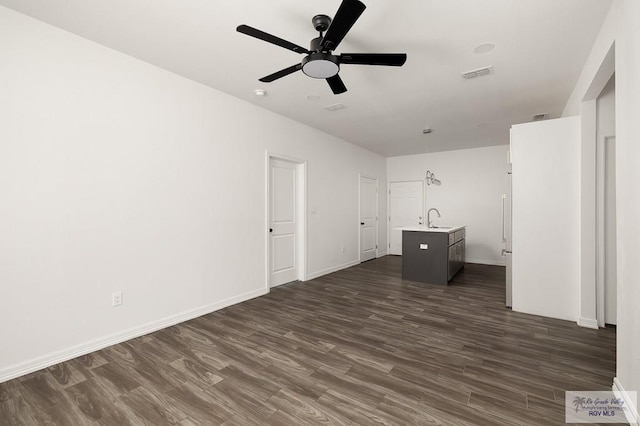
432, 255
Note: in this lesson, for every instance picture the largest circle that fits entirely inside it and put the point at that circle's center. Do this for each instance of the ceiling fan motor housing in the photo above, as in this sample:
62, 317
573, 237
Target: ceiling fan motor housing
316, 45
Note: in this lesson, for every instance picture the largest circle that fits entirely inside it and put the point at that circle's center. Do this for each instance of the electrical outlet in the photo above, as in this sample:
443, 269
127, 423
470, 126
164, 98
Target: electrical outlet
116, 299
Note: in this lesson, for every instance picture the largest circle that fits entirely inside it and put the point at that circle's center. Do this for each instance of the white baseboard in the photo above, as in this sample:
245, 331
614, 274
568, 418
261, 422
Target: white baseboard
620, 392
45, 361
314, 275
485, 262
588, 322
381, 254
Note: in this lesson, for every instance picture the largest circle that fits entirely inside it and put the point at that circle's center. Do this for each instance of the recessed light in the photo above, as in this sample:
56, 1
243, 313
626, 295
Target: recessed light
260, 92
483, 48
313, 97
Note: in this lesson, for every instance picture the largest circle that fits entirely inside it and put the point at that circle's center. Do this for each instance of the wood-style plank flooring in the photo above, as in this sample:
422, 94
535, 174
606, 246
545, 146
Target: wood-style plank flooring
357, 347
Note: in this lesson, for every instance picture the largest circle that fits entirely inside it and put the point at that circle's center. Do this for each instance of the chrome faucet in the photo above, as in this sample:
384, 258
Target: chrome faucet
429, 223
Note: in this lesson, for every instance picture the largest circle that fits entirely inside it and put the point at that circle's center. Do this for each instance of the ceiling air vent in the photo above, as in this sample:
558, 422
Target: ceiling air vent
477, 73
334, 107
540, 117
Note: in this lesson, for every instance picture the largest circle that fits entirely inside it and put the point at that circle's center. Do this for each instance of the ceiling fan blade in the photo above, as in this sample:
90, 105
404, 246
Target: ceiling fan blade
250, 31
347, 15
388, 59
336, 84
281, 73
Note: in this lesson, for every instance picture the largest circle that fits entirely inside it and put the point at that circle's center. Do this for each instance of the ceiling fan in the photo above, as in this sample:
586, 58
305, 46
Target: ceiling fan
319, 61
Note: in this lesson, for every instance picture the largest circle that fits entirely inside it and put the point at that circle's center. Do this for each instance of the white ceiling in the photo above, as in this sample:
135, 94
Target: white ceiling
541, 46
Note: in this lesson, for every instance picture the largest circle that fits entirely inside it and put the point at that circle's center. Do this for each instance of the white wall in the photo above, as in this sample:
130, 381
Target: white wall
117, 175
546, 218
606, 127
473, 181
606, 109
622, 27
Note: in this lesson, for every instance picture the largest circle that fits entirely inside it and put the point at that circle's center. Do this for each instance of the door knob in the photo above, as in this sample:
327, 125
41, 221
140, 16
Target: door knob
270, 229
361, 223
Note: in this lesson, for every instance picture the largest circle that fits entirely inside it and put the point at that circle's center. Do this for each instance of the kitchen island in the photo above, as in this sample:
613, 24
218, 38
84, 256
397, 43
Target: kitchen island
432, 255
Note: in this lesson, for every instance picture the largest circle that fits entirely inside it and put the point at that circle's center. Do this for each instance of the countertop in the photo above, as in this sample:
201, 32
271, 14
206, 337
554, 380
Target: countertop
446, 230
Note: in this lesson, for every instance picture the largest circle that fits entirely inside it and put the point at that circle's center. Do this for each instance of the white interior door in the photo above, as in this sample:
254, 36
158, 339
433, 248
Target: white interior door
283, 241
368, 218
406, 208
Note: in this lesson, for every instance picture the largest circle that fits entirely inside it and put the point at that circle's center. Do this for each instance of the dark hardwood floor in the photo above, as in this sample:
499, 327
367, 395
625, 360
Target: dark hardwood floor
357, 347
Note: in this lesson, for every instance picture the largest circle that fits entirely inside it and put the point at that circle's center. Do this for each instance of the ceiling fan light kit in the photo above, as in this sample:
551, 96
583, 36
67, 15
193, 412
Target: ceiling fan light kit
320, 65
319, 61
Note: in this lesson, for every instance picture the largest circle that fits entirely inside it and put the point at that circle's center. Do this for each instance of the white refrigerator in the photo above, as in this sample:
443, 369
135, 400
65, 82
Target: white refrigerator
545, 231
506, 238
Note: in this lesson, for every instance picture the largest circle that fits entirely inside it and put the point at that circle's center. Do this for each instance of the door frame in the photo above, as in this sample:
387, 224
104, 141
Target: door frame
360, 176
588, 205
600, 227
388, 219
301, 215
